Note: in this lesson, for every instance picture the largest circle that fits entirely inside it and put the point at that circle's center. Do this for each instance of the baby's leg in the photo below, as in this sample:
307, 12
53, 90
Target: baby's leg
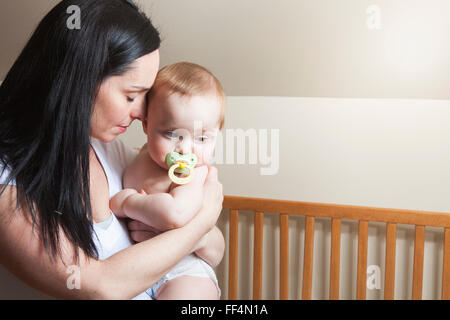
188, 288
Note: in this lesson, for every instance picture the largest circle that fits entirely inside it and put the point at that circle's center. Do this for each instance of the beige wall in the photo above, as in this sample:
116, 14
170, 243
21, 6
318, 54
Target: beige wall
298, 48
18, 19
305, 48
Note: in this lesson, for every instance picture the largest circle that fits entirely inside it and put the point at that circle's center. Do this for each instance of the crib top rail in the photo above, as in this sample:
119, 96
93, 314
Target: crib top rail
350, 212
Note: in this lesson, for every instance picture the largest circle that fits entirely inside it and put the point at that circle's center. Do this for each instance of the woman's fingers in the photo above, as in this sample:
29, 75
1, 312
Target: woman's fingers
213, 193
200, 174
212, 174
213, 197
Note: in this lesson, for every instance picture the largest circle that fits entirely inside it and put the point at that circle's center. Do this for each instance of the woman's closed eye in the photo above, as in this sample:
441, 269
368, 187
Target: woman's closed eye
132, 97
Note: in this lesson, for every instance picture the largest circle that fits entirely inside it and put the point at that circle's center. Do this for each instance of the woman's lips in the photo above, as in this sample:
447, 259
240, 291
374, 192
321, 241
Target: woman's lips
122, 129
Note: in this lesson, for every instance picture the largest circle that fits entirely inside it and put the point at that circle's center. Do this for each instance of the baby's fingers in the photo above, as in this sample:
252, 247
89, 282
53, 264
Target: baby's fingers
139, 236
135, 225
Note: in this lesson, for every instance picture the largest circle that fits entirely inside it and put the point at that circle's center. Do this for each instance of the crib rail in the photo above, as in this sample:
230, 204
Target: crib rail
392, 217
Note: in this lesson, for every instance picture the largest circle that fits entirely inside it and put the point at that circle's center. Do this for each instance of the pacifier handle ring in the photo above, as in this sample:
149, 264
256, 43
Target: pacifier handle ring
178, 180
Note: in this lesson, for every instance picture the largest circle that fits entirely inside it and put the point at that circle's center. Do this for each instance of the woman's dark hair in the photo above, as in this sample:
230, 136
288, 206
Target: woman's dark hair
46, 103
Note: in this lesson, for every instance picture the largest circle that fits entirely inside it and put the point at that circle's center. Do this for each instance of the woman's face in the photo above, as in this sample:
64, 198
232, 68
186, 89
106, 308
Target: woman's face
121, 99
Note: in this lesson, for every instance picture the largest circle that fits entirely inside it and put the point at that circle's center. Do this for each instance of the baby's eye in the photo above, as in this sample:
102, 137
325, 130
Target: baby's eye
130, 99
202, 139
171, 134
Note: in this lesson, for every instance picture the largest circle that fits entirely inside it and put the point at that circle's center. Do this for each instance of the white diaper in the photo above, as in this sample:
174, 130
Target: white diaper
190, 266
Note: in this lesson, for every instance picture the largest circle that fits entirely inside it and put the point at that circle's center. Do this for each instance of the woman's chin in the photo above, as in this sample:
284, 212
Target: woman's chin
105, 137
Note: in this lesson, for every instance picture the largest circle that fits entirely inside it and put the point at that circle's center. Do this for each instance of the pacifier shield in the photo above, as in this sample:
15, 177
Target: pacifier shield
188, 160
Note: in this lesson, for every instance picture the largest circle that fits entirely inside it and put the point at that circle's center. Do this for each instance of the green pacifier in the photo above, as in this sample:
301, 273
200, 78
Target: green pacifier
182, 164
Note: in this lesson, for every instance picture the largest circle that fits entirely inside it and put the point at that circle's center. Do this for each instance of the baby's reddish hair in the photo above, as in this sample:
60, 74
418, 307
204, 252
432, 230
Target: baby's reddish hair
189, 79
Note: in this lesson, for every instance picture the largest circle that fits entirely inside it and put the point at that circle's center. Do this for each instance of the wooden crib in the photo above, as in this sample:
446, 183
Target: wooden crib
364, 215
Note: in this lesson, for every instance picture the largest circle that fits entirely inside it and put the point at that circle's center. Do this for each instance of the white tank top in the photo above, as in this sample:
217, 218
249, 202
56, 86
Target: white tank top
110, 236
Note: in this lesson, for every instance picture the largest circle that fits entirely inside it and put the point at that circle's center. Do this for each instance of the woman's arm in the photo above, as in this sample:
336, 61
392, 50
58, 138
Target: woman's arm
122, 276
210, 248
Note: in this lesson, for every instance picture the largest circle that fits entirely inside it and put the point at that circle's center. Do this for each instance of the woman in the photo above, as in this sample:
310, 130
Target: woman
62, 105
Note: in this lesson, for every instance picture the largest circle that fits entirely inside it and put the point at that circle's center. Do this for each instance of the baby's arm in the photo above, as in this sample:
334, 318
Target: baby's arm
163, 211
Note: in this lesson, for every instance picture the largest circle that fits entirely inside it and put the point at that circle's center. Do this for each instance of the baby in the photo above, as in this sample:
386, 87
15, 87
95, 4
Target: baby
185, 111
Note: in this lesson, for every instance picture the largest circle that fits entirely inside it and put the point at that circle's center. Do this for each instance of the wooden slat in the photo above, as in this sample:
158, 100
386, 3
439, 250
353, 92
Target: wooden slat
308, 258
389, 277
437, 219
233, 254
258, 255
284, 257
419, 243
362, 260
335, 258
446, 267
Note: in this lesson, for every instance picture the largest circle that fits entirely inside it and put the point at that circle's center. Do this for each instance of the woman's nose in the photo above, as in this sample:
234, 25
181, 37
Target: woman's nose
138, 112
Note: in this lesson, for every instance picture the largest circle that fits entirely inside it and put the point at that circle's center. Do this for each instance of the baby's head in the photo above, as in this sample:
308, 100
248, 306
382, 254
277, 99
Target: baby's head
185, 111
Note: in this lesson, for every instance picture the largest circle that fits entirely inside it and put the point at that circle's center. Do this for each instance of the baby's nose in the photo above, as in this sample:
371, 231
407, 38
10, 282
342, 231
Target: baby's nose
184, 145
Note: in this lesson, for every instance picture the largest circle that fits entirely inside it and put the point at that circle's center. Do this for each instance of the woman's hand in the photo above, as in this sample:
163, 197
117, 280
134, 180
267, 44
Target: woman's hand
212, 200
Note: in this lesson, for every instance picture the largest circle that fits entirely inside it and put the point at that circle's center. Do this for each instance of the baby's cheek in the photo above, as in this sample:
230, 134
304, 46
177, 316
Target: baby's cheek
158, 150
